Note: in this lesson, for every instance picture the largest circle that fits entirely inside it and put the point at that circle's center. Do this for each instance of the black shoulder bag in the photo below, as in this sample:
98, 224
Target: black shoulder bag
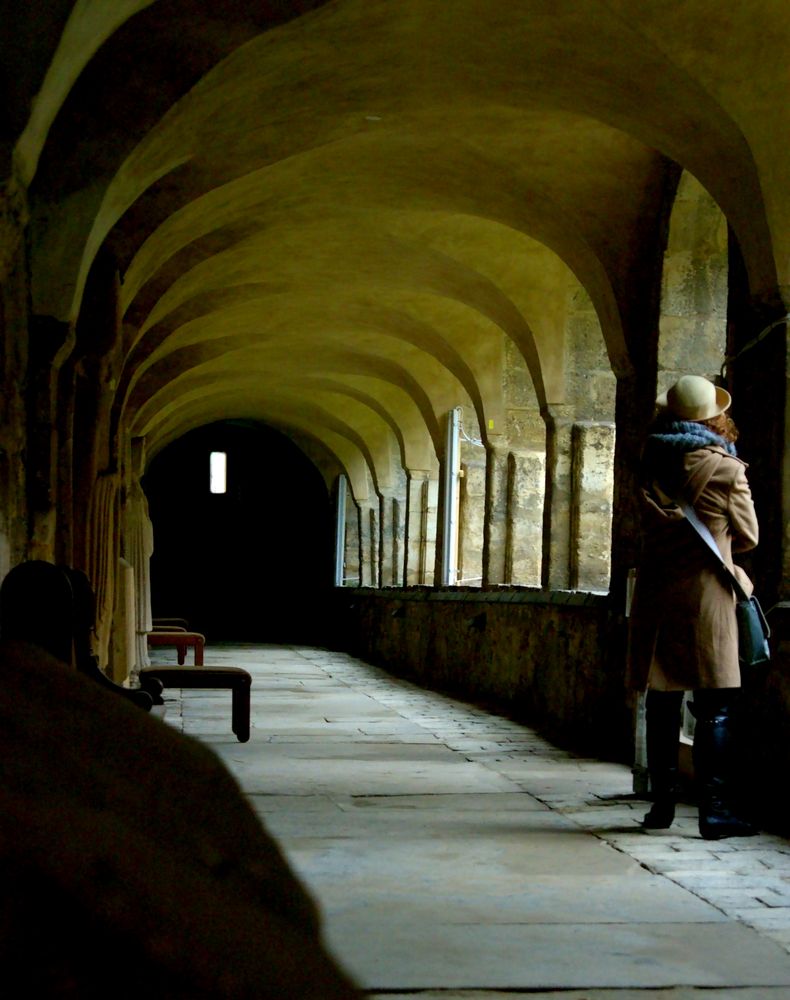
753, 629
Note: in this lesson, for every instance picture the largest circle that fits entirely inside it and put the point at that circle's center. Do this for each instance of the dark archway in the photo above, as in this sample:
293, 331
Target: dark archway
254, 563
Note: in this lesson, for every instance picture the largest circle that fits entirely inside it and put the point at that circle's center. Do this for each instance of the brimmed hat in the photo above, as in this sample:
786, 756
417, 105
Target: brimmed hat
693, 397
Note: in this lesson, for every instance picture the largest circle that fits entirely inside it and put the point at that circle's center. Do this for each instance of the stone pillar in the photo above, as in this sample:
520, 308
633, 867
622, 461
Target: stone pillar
430, 520
411, 568
420, 541
386, 530
48, 338
526, 494
123, 648
496, 529
557, 509
471, 517
103, 555
66, 516
591, 506
14, 298
138, 548
391, 536
399, 506
374, 517
97, 363
352, 575
369, 542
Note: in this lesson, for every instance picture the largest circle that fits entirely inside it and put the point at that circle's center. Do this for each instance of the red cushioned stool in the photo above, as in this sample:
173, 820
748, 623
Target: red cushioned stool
181, 640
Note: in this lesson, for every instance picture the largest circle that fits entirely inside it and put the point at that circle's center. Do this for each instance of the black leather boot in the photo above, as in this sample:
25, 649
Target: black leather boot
662, 717
713, 764
664, 790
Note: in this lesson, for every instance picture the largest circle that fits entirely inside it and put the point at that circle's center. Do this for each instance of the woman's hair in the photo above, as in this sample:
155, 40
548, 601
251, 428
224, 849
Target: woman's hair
723, 425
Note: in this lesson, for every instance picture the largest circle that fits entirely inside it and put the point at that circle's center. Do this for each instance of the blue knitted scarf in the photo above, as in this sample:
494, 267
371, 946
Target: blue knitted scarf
681, 436
666, 445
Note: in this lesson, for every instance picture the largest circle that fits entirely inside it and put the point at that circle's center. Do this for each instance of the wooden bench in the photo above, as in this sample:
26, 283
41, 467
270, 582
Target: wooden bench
153, 678
181, 640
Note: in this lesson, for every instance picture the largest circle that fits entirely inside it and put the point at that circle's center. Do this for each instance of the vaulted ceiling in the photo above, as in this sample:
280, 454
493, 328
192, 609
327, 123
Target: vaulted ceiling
331, 215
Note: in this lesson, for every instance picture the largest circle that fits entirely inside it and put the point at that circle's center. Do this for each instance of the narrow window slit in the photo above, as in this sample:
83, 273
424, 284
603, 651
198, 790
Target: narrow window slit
218, 467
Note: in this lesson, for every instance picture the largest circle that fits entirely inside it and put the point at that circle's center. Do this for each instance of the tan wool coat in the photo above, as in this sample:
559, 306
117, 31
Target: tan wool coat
683, 634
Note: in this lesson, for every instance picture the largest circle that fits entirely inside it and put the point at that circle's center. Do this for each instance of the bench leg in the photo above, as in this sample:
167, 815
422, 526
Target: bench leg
198, 653
182, 654
240, 713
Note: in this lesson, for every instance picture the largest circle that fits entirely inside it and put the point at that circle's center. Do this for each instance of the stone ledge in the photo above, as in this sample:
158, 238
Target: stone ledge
475, 595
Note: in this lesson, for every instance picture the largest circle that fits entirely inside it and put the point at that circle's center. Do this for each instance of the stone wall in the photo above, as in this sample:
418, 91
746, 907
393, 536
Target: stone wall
550, 659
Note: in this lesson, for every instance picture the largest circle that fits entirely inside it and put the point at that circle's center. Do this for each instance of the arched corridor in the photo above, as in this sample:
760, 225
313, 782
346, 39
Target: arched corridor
419, 270
457, 853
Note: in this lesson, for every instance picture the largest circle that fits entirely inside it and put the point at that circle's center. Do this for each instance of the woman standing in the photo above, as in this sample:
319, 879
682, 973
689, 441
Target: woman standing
683, 630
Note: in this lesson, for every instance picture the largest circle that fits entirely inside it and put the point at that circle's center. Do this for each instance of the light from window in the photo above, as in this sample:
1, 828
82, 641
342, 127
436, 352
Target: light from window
218, 466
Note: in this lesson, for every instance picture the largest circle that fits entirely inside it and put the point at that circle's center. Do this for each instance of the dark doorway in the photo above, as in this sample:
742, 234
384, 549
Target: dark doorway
253, 563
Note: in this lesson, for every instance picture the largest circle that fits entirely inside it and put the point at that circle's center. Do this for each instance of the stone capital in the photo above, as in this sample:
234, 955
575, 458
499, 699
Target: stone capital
558, 414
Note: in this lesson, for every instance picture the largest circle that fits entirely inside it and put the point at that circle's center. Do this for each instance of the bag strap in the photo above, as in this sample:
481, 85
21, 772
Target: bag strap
704, 533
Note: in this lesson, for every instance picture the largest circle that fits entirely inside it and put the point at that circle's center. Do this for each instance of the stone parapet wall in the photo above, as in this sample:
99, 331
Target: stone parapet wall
552, 658
556, 661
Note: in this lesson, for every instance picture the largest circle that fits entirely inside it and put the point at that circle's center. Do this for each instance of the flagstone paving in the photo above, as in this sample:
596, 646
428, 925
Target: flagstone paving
458, 854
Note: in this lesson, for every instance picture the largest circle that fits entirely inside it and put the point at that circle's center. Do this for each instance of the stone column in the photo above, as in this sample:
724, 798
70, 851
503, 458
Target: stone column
496, 528
471, 517
369, 542
386, 530
352, 575
138, 549
102, 556
14, 299
591, 505
411, 567
48, 340
557, 509
66, 516
391, 536
420, 541
123, 649
430, 520
526, 494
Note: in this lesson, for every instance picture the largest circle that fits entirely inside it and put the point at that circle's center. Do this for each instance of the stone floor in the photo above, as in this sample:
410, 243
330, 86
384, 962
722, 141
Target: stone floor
457, 854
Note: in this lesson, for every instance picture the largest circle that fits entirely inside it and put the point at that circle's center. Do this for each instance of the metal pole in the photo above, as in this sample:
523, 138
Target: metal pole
340, 531
452, 453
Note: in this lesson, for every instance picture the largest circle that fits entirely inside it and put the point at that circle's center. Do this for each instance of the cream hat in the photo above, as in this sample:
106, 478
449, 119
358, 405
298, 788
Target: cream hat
693, 397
